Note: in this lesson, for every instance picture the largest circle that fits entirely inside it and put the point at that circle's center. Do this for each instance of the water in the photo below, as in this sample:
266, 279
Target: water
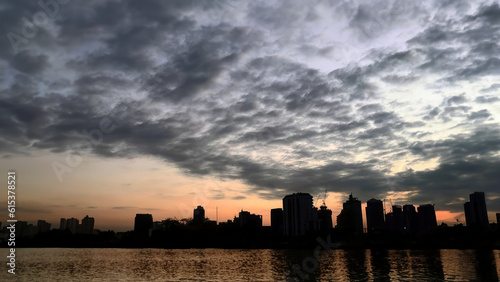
255, 265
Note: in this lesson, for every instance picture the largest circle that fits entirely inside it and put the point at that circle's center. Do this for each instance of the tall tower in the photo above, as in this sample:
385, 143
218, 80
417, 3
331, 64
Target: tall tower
62, 224
374, 215
299, 215
199, 215
72, 224
351, 218
277, 220
410, 218
426, 217
87, 225
476, 214
325, 218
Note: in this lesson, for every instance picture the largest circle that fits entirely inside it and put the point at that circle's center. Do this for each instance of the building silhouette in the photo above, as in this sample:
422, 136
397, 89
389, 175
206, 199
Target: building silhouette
426, 217
325, 218
199, 215
87, 226
62, 224
476, 214
299, 215
72, 225
143, 224
397, 218
248, 220
43, 226
374, 215
410, 218
350, 218
277, 220
23, 229
498, 217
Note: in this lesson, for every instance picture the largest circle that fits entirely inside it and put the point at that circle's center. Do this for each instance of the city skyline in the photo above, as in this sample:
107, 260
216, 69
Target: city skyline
198, 216
162, 106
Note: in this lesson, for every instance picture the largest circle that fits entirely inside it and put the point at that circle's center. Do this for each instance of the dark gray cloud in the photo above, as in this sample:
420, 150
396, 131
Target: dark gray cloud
28, 63
207, 88
482, 114
492, 88
487, 99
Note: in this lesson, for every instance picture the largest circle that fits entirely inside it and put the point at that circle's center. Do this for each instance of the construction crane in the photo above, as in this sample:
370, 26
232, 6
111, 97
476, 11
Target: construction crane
321, 196
390, 206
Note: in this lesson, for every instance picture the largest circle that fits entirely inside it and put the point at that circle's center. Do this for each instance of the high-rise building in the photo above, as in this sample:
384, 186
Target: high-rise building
87, 225
43, 226
247, 219
62, 224
498, 217
277, 220
72, 224
299, 215
374, 215
476, 214
350, 218
143, 224
23, 229
398, 219
410, 218
199, 215
426, 217
325, 218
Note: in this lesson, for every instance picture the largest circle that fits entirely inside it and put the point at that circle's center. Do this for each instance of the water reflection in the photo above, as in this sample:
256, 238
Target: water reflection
486, 266
255, 265
380, 267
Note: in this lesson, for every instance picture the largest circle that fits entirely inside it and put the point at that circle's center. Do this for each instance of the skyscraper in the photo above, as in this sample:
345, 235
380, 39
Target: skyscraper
62, 224
397, 217
250, 220
476, 214
143, 224
426, 217
199, 215
299, 215
72, 224
325, 218
374, 215
277, 220
410, 218
87, 225
43, 226
350, 218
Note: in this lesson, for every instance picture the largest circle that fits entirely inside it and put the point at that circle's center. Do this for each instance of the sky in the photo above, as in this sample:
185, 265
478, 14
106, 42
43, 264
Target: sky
113, 108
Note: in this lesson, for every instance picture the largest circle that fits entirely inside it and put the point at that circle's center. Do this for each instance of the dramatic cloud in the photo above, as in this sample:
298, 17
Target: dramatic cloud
281, 96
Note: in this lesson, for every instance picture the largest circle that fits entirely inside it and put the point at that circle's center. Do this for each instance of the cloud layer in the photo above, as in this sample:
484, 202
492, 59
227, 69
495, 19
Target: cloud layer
283, 96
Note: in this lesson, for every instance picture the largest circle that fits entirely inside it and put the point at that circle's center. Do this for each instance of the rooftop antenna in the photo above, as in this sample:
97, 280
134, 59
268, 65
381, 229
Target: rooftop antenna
217, 215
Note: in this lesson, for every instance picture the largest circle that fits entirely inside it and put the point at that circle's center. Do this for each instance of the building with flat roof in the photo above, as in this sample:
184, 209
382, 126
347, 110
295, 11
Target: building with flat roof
476, 214
143, 224
299, 214
426, 217
248, 220
277, 220
374, 215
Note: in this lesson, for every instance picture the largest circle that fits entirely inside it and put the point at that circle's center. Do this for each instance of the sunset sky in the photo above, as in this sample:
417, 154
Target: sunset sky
112, 108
